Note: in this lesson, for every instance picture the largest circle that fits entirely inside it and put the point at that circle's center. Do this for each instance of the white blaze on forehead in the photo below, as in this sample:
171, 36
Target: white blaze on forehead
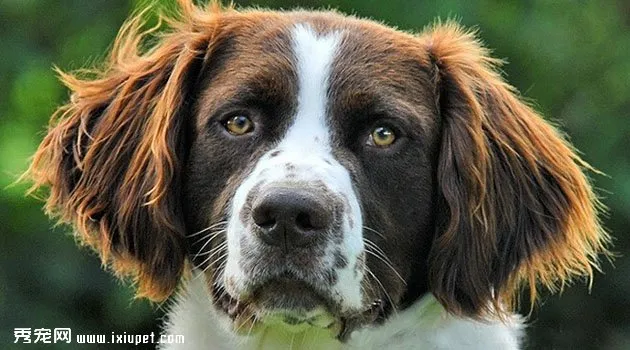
304, 155
314, 55
308, 144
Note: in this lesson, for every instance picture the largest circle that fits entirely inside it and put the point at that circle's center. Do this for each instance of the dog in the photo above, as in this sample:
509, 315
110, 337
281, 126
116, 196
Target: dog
305, 179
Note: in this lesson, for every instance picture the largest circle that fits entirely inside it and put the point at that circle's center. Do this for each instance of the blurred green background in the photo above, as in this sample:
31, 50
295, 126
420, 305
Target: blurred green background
571, 57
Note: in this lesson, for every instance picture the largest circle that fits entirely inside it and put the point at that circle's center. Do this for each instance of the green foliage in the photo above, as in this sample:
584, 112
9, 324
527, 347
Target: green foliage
571, 58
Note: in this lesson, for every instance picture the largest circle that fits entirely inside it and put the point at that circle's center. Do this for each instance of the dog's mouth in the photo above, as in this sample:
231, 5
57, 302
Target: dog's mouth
295, 306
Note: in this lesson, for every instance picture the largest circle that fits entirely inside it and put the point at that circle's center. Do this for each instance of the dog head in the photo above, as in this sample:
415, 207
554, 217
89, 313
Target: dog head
318, 169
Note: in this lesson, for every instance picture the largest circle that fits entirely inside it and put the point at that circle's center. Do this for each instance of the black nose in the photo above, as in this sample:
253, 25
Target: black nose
290, 217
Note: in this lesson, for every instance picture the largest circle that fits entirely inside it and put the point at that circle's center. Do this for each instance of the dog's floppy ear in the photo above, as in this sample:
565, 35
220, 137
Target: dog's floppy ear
112, 157
514, 204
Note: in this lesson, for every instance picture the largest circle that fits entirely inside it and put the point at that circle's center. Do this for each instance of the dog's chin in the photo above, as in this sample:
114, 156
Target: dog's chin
282, 302
294, 306
288, 294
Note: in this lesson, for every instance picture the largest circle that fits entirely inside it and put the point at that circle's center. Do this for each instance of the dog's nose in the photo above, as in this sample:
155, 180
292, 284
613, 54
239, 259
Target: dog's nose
290, 217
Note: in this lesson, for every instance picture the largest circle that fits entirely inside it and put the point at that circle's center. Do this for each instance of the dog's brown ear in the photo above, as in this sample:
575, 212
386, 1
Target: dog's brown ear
112, 156
515, 206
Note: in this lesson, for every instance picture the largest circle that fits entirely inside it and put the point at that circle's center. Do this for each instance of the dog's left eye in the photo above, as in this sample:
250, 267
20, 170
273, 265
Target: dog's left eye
239, 125
382, 136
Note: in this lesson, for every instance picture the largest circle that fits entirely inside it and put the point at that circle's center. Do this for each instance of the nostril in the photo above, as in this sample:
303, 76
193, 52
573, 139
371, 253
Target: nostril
264, 218
270, 223
303, 221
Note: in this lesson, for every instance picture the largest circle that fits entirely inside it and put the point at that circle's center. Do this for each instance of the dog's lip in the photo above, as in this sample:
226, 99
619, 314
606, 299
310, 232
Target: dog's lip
276, 297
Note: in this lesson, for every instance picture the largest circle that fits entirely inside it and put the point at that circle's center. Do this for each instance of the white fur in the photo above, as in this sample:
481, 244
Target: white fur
307, 147
308, 141
424, 325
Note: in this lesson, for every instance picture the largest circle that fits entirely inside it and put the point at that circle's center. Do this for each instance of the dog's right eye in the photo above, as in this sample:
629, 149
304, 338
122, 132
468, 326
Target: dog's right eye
239, 125
382, 136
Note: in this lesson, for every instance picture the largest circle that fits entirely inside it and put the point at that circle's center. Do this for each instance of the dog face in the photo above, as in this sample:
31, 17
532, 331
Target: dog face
313, 127
320, 170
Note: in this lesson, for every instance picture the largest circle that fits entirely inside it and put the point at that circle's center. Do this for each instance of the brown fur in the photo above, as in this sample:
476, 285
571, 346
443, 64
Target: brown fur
518, 206
110, 157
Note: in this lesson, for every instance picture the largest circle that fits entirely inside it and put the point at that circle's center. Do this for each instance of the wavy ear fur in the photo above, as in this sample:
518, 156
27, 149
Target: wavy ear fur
515, 206
112, 155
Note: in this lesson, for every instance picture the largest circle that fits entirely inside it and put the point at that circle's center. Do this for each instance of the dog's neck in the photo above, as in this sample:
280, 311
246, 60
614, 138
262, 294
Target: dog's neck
424, 325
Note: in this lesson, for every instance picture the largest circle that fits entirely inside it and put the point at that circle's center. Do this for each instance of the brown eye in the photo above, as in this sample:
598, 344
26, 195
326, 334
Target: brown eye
382, 136
239, 125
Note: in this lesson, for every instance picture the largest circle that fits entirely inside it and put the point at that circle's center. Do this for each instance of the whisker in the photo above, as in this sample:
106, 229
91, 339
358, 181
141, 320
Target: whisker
208, 241
373, 230
214, 251
210, 235
221, 289
217, 282
224, 222
222, 256
205, 253
388, 265
382, 256
251, 326
221, 270
211, 250
220, 249
381, 285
